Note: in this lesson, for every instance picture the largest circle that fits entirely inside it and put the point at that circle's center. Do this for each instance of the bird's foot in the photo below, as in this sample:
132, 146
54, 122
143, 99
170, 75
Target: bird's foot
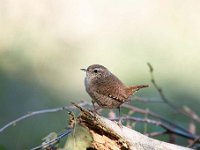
94, 111
119, 123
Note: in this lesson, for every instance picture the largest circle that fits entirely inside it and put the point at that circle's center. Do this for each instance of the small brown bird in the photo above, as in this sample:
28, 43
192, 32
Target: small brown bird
106, 89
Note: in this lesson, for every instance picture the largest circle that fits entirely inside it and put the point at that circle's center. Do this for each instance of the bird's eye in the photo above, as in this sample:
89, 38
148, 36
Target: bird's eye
95, 71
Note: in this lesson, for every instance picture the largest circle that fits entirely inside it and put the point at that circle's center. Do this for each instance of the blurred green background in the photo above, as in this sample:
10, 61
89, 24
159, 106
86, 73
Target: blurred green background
43, 45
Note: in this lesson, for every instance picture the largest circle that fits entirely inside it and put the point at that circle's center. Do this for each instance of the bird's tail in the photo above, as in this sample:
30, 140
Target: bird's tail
132, 89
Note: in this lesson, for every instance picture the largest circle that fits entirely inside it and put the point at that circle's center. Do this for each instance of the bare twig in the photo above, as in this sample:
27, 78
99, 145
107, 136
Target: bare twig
146, 100
159, 89
31, 114
135, 109
197, 140
152, 134
165, 126
54, 141
173, 128
190, 114
179, 129
146, 124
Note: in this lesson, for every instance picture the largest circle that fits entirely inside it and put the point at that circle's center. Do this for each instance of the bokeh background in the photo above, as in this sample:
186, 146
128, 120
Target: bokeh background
43, 45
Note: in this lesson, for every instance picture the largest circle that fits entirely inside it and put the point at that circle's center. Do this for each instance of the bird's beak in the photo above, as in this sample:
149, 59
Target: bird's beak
84, 70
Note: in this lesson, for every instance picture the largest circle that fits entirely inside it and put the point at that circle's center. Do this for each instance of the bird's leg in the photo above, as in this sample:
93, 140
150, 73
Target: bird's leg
93, 104
119, 121
94, 108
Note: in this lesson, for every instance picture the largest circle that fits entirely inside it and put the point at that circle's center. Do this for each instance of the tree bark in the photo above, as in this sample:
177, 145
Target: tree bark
108, 135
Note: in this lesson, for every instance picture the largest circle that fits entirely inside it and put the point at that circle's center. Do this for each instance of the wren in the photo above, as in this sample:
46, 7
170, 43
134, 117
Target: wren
106, 89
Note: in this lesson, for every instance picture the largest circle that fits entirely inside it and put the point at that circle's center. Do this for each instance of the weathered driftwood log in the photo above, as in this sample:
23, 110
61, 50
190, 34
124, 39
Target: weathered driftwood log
96, 132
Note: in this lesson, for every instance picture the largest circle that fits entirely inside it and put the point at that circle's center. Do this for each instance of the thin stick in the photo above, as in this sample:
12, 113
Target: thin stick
169, 128
69, 108
176, 127
153, 134
54, 141
31, 114
159, 89
146, 100
197, 140
163, 97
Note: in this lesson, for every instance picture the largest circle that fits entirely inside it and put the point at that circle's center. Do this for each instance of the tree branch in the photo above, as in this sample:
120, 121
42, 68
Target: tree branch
159, 89
177, 129
31, 114
103, 129
52, 142
154, 115
153, 134
163, 97
169, 128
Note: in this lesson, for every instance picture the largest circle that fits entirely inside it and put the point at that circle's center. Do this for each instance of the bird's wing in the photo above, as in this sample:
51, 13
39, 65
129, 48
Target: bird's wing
112, 87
